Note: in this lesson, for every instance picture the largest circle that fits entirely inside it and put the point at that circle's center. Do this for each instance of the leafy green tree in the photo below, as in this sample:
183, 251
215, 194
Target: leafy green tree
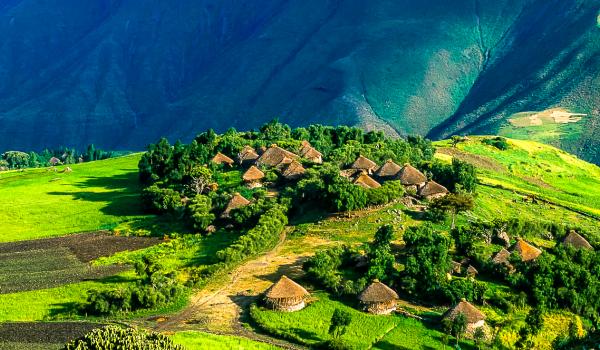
200, 178
340, 320
200, 212
274, 130
454, 203
381, 260
456, 326
16, 159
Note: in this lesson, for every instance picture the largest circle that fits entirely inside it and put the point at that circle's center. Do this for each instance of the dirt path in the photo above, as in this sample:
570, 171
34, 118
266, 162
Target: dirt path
217, 308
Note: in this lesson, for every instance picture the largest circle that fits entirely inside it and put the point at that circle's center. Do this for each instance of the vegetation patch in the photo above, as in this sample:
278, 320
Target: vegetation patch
48, 334
202, 340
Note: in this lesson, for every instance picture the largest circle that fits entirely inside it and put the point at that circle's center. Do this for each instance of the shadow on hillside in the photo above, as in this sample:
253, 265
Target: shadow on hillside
62, 310
121, 193
293, 270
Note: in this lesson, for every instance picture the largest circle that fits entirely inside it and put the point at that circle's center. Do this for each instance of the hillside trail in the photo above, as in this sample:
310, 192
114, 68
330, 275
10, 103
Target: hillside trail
218, 307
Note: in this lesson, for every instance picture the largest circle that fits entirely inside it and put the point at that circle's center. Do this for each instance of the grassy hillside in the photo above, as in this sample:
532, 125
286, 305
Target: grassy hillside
42, 202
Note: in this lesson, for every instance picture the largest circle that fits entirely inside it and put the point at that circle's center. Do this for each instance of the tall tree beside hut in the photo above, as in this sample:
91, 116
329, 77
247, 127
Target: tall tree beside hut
200, 178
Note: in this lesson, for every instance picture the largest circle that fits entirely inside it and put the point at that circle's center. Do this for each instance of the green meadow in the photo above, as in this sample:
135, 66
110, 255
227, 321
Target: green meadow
37, 203
202, 340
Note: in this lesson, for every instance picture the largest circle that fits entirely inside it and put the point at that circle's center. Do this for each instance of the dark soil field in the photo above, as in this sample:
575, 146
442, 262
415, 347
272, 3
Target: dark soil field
41, 335
46, 263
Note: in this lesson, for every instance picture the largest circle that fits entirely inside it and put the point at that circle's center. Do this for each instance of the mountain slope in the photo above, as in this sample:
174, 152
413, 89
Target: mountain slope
122, 73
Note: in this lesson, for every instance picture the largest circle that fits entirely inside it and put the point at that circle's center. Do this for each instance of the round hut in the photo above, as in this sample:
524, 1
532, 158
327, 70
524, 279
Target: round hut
364, 163
474, 317
378, 298
286, 295
411, 178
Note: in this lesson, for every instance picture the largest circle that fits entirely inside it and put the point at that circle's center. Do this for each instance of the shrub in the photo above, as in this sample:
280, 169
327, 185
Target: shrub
114, 337
498, 142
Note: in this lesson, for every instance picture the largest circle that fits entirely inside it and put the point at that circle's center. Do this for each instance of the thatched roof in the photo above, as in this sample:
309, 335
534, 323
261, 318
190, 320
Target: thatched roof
410, 176
293, 170
237, 201
54, 161
253, 174
432, 188
389, 169
364, 163
366, 181
471, 313
220, 158
377, 292
285, 288
502, 257
526, 250
471, 271
455, 266
305, 146
247, 154
275, 156
349, 173
577, 241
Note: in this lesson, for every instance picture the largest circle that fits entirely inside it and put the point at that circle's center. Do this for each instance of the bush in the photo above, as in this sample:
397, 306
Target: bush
498, 142
114, 337
390, 191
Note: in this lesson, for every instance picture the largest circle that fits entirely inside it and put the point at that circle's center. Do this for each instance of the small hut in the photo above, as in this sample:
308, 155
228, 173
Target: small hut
286, 295
237, 201
350, 173
474, 317
472, 271
388, 171
220, 159
247, 156
576, 240
526, 250
503, 258
363, 163
411, 178
276, 156
54, 161
503, 238
432, 190
367, 182
253, 177
455, 267
310, 153
293, 171
378, 298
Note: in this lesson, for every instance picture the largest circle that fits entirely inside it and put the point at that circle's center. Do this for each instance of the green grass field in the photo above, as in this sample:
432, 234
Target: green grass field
193, 340
97, 195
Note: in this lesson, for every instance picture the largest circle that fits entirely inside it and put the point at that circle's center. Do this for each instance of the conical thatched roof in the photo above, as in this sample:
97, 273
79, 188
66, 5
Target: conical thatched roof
253, 174
366, 181
502, 257
432, 188
472, 314
349, 173
275, 156
526, 250
577, 241
285, 288
293, 170
305, 146
471, 271
377, 292
364, 163
220, 158
54, 161
388, 170
248, 154
237, 201
410, 176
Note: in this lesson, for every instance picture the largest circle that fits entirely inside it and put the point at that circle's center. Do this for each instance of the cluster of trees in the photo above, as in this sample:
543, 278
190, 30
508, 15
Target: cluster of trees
459, 176
22, 160
154, 288
498, 142
115, 337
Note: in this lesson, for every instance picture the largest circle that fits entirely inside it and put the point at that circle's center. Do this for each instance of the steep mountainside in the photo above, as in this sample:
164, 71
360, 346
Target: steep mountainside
121, 73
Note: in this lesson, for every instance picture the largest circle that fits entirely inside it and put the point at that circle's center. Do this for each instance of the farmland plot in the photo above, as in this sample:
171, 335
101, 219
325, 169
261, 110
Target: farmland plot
47, 263
41, 335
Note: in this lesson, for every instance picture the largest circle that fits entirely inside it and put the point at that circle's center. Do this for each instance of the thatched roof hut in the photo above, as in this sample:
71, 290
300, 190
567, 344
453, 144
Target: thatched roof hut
247, 155
576, 240
474, 317
502, 257
432, 190
365, 181
350, 173
472, 271
286, 295
363, 163
237, 201
220, 158
503, 238
526, 250
293, 171
411, 176
275, 156
388, 170
53, 161
309, 152
253, 176
378, 298
455, 267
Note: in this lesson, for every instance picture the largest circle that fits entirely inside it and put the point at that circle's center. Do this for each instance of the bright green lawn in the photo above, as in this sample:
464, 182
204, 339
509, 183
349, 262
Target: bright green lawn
193, 340
39, 202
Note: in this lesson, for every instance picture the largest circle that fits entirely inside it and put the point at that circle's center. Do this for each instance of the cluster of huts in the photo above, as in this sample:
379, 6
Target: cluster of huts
378, 299
366, 173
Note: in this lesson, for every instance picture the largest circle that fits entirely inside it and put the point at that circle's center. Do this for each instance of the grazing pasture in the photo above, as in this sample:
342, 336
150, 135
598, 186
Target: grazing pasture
51, 262
202, 340
38, 203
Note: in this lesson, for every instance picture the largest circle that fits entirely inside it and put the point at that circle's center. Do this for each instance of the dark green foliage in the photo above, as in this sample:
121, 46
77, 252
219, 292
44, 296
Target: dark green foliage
457, 176
456, 327
498, 142
200, 212
335, 270
115, 337
340, 320
389, 191
459, 288
22, 160
380, 258
453, 203
162, 200
247, 216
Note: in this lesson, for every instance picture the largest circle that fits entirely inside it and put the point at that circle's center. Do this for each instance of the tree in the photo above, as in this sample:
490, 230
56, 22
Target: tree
479, 337
455, 140
200, 212
340, 321
456, 326
16, 159
200, 178
381, 260
454, 203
